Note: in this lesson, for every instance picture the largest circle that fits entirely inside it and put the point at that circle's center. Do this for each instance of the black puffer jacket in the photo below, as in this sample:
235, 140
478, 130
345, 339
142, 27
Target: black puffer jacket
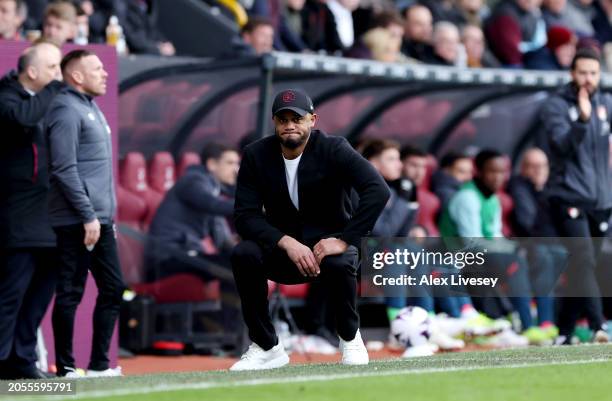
24, 179
579, 151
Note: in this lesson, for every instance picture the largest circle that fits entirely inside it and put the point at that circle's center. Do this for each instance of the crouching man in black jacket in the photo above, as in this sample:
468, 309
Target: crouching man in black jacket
295, 217
28, 260
577, 125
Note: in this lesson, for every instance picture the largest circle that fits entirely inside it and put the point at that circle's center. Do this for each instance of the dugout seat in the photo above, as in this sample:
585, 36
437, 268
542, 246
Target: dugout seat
187, 159
161, 172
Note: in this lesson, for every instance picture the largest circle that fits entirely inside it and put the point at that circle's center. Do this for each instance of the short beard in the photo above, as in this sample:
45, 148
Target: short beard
291, 143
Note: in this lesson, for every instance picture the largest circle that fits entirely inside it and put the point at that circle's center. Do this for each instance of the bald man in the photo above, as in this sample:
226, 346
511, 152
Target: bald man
418, 33
81, 209
527, 190
27, 244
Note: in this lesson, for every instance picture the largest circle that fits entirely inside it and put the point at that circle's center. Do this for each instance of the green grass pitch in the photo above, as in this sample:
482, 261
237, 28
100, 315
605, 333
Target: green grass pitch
550, 373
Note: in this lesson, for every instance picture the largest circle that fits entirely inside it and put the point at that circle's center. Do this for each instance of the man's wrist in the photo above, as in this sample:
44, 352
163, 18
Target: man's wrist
283, 241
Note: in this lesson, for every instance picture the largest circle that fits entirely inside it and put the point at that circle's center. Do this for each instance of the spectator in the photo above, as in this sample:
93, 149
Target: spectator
601, 21
553, 12
320, 33
81, 209
393, 23
28, 258
415, 164
194, 209
291, 26
259, 34
141, 34
445, 10
417, 35
190, 233
446, 45
515, 28
531, 218
381, 45
558, 53
472, 11
455, 170
530, 199
478, 56
398, 216
577, 125
579, 14
60, 23
13, 13
342, 11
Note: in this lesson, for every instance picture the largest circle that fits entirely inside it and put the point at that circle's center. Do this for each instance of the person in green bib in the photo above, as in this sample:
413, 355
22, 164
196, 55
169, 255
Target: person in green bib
475, 212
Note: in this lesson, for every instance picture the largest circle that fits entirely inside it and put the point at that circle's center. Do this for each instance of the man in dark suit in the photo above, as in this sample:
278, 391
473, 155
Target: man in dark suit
293, 212
28, 257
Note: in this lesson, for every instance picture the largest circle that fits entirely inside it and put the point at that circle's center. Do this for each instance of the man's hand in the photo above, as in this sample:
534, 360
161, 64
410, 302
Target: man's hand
584, 104
92, 232
301, 255
327, 247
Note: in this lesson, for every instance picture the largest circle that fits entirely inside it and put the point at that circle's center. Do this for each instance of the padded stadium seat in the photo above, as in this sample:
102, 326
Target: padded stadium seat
131, 208
133, 177
507, 206
429, 206
180, 288
431, 166
187, 159
295, 291
506, 201
161, 172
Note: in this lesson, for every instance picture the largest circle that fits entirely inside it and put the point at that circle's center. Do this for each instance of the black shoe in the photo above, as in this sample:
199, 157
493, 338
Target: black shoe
28, 373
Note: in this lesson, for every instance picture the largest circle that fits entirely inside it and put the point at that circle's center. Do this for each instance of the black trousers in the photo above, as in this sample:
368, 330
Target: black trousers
27, 284
253, 267
75, 261
583, 293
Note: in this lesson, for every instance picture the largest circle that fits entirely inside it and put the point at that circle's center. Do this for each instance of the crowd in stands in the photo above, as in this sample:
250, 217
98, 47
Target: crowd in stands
531, 34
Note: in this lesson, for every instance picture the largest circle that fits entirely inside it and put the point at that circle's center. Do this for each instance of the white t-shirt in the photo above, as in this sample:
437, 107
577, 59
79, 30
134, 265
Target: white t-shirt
291, 167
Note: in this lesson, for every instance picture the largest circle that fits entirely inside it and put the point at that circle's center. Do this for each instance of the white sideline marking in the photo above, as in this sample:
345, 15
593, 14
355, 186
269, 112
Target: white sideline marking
301, 379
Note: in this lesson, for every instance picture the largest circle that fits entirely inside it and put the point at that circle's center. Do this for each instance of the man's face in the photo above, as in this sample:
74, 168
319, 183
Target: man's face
474, 43
462, 170
45, 66
565, 54
292, 129
419, 24
225, 169
9, 19
447, 45
494, 174
555, 6
396, 31
586, 74
296, 5
89, 73
58, 30
388, 164
262, 39
415, 168
535, 168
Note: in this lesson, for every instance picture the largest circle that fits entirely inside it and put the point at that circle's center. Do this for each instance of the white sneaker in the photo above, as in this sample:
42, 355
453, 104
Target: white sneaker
354, 352
508, 339
444, 341
105, 373
72, 373
601, 336
255, 358
420, 350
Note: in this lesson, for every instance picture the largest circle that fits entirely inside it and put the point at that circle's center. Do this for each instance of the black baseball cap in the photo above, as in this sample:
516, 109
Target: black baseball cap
294, 100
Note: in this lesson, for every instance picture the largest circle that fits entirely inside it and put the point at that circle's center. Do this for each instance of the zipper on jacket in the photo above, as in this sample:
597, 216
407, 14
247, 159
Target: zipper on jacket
35, 163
